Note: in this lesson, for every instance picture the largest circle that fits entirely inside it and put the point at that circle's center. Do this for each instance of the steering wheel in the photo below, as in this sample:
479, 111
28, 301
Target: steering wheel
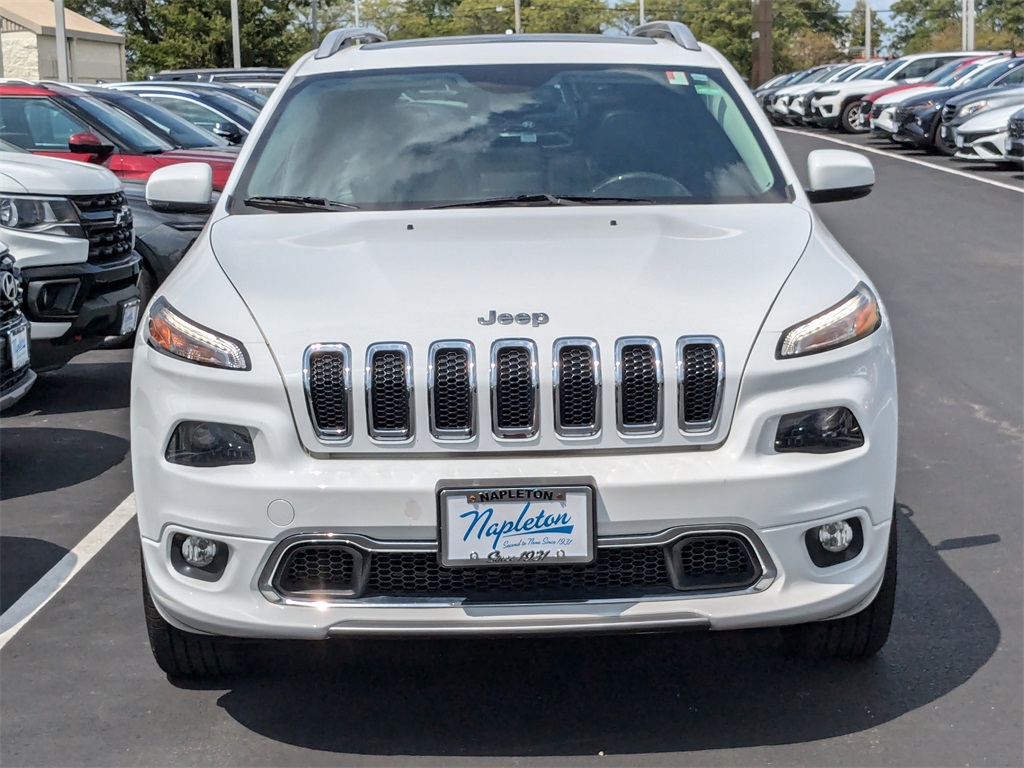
640, 184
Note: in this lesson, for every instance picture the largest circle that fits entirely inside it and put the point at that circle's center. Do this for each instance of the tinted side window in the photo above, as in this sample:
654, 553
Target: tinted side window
1013, 77
37, 124
919, 68
195, 113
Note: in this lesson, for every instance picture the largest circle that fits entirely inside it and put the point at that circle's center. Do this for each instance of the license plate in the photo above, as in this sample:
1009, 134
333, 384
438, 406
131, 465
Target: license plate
942, 131
129, 316
19, 348
959, 142
522, 526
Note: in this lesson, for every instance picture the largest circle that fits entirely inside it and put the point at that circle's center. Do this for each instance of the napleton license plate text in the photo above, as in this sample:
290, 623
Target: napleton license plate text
517, 526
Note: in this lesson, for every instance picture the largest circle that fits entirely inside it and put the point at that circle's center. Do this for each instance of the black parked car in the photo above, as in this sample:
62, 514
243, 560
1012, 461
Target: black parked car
1015, 137
204, 109
920, 118
16, 377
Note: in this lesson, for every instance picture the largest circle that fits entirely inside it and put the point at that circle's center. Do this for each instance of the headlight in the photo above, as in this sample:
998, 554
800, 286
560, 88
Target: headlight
49, 215
180, 337
853, 318
970, 109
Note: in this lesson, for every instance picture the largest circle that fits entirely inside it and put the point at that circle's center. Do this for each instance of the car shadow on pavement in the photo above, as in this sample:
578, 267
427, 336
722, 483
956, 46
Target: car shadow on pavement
77, 388
23, 562
613, 694
39, 459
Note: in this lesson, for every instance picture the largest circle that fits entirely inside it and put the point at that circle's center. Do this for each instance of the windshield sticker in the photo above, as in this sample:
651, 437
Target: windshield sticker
697, 77
710, 89
677, 78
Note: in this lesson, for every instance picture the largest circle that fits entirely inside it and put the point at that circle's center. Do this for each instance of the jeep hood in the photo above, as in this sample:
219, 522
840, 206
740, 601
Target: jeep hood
423, 276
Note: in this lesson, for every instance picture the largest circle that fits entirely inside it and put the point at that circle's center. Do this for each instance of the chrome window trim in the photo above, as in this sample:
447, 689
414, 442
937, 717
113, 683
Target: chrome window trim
665, 537
469, 349
708, 424
651, 428
389, 435
585, 430
515, 433
329, 435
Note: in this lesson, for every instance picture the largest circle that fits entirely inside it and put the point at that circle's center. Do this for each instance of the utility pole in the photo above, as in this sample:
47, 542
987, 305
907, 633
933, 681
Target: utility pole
970, 25
357, 12
312, 19
519, 16
236, 45
867, 30
62, 41
963, 25
643, 16
762, 36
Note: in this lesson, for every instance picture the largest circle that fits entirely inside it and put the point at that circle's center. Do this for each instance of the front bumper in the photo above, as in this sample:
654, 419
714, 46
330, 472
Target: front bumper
989, 148
14, 384
741, 484
825, 112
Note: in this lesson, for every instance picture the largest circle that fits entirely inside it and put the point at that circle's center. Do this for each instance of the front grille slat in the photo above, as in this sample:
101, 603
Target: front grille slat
639, 384
576, 379
694, 563
327, 376
514, 384
451, 390
700, 372
389, 391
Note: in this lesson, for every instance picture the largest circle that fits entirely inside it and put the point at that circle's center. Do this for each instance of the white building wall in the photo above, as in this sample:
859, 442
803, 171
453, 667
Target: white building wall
20, 55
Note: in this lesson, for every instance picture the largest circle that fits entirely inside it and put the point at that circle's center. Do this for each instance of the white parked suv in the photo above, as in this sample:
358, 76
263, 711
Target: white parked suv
509, 335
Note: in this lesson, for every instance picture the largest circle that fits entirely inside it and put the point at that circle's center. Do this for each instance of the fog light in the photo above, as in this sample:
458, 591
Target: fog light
826, 430
208, 444
835, 537
198, 552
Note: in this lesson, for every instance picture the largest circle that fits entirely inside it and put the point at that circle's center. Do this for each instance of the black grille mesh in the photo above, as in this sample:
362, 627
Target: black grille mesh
1015, 128
639, 391
515, 398
452, 396
700, 382
702, 562
328, 395
108, 240
389, 397
577, 392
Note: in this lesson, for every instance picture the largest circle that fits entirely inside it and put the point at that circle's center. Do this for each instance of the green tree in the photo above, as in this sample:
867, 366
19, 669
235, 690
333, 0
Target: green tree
170, 34
922, 25
808, 49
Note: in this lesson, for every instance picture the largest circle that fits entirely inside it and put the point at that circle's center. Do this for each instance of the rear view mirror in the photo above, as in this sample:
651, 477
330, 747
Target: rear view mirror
837, 174
87, 143
229, 130
181, 188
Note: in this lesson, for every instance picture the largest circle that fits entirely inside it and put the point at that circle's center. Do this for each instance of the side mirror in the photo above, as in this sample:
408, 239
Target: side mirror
836, 174
229, 130
181, 188
87, 143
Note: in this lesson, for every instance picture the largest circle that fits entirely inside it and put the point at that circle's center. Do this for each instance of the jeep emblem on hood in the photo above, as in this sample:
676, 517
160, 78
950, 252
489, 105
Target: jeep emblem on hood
536, 319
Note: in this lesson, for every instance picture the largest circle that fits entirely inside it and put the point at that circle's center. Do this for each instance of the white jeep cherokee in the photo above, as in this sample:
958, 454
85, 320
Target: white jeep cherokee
508, 335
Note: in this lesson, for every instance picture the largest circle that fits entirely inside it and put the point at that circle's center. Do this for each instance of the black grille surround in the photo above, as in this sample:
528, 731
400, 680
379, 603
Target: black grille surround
1015, 128
107, 223
697, 562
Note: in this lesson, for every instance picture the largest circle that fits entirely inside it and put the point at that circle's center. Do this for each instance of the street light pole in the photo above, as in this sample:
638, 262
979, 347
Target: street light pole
970, 25
312, 20
236, 45
357, 13
643, 16
62, 41
867, 30
518, 6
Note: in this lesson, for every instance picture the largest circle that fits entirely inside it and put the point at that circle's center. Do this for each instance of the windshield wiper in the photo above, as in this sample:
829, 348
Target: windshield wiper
543, 199
287, 202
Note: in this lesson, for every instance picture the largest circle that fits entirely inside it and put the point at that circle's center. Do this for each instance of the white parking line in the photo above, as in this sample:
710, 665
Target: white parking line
44, 590
905, 159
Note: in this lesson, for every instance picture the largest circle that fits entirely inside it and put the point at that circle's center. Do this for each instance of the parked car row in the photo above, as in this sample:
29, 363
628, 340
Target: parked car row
82, 250
968, 104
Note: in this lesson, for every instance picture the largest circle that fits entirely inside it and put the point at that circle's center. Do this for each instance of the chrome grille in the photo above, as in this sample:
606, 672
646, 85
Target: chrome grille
451, 390
700, 371
576, 377
639, 382
327, 376
514, 383
389, 391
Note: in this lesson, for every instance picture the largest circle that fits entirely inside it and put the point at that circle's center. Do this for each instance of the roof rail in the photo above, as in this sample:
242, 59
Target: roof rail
667, 30
342, 38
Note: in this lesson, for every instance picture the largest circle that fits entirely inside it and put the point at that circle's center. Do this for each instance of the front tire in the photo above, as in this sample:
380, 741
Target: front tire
859, 636
185, 655
849, 121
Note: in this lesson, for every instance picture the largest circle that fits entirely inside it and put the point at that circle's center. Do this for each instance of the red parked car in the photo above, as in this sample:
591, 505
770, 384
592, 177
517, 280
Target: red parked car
47, 119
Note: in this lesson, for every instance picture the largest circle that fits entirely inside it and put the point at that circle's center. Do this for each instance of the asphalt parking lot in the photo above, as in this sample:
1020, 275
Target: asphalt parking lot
79, 686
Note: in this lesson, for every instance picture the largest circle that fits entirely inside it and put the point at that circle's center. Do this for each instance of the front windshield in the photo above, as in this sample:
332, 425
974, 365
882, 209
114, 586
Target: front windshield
127, 130
959, 74
886, 69
237, 110
985, 76
849, 74
871, 72
820, 75
939, 74
176, 129
419, 138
